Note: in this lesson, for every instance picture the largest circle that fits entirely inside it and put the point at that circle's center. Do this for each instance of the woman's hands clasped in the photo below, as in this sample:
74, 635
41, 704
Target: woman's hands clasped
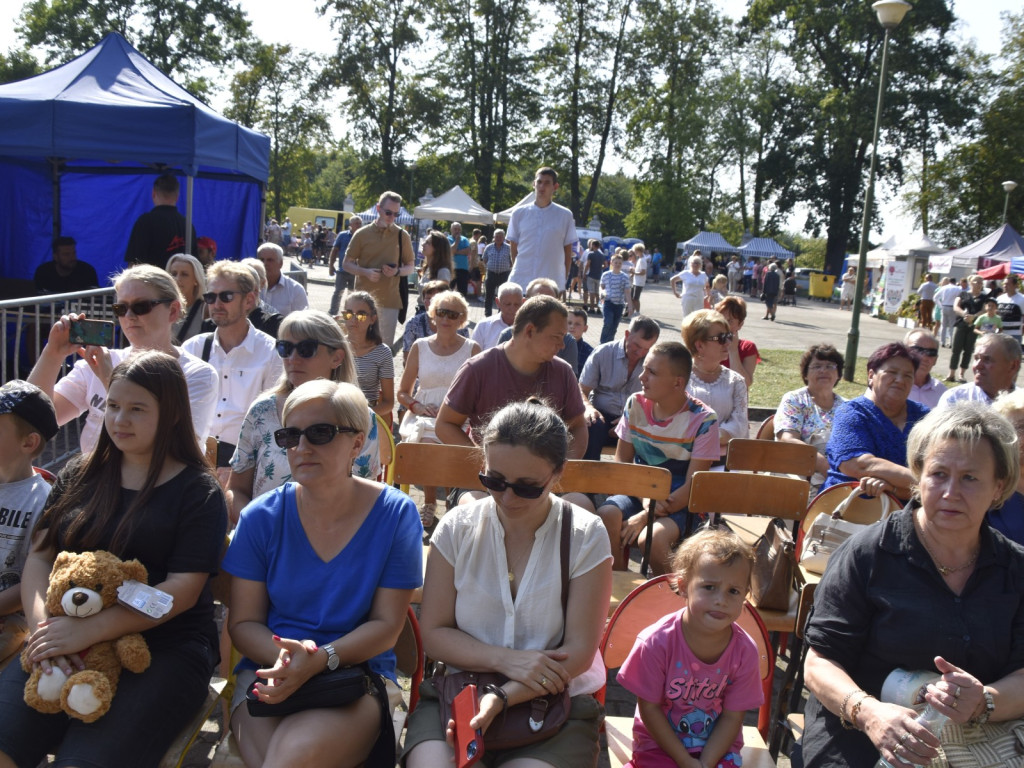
540, 671
297, 662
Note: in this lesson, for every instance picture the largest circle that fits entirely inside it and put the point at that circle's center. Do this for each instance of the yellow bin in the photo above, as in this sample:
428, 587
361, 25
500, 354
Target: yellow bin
821, 286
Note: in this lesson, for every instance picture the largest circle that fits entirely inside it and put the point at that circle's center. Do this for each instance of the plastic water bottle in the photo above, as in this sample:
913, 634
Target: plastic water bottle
930, 719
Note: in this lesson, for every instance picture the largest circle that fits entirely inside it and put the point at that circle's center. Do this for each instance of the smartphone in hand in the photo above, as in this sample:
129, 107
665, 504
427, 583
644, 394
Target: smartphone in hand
469, 742
92, 333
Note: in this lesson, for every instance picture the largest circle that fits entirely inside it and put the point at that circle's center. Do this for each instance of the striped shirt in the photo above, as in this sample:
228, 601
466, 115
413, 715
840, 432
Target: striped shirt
498, 259
615, 286
375, 365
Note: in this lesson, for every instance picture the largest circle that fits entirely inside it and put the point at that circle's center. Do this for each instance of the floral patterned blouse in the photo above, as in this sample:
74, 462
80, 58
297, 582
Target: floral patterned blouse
257, 450
798, 413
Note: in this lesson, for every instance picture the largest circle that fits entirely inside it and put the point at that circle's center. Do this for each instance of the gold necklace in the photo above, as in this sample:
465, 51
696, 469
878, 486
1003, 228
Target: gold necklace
518, 560
946, 570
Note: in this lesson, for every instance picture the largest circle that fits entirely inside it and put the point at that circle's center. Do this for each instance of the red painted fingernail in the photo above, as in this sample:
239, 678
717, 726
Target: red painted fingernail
287, 662
276, 638
315, 647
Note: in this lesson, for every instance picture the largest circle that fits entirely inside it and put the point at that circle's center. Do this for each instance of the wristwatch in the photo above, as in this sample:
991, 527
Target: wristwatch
332, 657
989, 706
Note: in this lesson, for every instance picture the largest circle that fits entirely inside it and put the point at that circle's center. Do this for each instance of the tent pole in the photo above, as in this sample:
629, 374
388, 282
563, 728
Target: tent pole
55, 186
189, 181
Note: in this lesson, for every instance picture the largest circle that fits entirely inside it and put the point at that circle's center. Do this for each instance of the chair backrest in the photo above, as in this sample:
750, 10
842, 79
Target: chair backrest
46, 474
767, 429
657, 598
409, 656
457, 466
780, 456
737, 493
862, 509
386, 441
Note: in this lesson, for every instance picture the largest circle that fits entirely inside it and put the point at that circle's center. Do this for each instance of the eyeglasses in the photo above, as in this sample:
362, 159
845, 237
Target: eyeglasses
361, 315
306, 348
226, 297
140, 307
451, 314
723, 338
925, 351
823, 367
316, 434
386, 212
522, 490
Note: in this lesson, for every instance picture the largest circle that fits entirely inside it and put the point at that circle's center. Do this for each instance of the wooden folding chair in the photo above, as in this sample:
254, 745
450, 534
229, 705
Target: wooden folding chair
778, 457
386, 441
766, 430
642, 607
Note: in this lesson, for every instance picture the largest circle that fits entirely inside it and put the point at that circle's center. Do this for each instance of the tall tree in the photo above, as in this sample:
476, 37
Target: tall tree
271, 96
17, 65
835, 49
181, 37
490, 101
385, 101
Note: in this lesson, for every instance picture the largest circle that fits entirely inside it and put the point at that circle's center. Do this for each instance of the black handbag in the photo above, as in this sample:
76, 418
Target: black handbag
329, 689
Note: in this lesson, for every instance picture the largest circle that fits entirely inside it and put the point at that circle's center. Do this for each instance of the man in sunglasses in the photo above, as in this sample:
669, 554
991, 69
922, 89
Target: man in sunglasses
246, 361
611, 375
283, 294
379, 256
927, 389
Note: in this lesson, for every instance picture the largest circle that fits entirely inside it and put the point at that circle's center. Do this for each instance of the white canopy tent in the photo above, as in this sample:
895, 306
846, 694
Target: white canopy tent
455, 205
504, 217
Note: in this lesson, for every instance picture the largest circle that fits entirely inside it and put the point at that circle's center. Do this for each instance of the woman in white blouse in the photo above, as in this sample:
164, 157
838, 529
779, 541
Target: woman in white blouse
694, 286
492, 595
706, 334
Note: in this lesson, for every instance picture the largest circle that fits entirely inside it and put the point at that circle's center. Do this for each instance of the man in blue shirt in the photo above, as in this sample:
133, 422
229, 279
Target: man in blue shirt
460, 258
343, 281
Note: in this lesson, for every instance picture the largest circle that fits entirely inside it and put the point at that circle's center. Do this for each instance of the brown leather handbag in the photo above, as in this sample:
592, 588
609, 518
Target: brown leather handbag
771, 582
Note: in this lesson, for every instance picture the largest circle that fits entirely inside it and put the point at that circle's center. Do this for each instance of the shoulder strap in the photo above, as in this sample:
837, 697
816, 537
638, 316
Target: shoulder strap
564, 557
207, 347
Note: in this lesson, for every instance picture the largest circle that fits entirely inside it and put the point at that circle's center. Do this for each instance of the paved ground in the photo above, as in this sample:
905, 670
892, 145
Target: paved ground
795, 328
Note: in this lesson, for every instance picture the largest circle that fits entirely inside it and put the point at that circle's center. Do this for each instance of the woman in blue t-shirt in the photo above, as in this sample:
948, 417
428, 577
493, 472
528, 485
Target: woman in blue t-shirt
324, 568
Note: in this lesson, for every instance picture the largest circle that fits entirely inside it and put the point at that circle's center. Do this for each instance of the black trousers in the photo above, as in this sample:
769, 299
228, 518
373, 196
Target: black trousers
494, 281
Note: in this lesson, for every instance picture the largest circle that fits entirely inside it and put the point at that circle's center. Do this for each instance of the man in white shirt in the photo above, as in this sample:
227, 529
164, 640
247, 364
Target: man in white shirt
283, 294
542, 235
996, 364
245, 358
945, 297
510, 298
1010, 306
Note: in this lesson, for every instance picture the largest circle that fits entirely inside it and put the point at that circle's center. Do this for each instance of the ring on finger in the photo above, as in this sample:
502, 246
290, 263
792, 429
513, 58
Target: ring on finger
957, 694
903, 738
897, 748
955, 704
543, 681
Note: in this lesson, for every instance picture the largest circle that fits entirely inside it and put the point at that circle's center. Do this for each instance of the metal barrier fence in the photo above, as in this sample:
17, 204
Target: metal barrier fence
24, 327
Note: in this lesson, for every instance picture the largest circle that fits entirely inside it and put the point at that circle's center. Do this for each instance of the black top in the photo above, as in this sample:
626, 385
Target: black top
771, 283
973, 305
82, 277
882, 604
181, 530
157, 235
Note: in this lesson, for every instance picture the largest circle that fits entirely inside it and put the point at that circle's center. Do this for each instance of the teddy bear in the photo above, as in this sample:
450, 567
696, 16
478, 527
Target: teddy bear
82, 584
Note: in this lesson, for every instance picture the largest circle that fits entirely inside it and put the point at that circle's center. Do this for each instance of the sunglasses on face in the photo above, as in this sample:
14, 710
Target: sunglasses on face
385, 212
451, 314
361, 315
522, 490
316, 434
723, 338
140, 307
306, 348
925, 351
226, 297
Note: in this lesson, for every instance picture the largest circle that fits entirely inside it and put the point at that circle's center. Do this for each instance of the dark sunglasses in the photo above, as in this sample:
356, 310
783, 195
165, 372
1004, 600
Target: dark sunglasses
926, 352
451, 314
385, 212
723, 338
226, 297
140, 307
361, 315
521, 490
316, 434
306, 348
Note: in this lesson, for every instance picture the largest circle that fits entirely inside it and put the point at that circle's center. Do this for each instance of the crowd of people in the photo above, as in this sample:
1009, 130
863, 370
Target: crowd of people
237, 408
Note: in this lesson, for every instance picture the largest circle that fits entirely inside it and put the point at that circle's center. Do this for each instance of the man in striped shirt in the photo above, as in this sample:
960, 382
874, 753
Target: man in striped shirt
498, 258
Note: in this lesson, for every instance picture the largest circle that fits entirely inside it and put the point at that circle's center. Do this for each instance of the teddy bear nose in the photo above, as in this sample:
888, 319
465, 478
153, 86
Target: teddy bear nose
79, 598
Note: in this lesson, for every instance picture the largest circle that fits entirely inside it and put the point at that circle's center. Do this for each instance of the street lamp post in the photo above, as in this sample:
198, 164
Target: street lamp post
890, 14
1008, 186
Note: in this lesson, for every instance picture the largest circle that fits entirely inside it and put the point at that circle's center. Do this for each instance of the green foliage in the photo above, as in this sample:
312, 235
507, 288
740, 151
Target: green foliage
17, 65
810, 251
779, 373
334, 173
181, 37
270, 97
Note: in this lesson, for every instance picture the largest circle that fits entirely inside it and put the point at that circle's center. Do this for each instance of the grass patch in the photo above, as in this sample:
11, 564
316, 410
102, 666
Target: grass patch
779, 373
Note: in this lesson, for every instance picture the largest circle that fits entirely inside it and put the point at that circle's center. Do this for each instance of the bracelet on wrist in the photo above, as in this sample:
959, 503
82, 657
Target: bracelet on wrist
850, 722
498, 691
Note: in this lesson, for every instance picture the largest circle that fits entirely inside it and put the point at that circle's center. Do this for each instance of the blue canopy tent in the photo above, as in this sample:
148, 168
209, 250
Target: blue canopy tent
764, 248
706, 242
81, 145
403, 219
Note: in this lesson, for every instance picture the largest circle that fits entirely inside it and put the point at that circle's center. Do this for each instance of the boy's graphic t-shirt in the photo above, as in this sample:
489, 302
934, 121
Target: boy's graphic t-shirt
20, 504
692, 694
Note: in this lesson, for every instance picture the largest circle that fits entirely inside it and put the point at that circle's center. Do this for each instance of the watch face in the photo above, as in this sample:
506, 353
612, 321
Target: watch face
332, 657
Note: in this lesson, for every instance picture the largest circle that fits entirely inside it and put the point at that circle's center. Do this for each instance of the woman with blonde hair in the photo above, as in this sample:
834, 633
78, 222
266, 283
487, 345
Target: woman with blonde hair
148, 304
694, 285
433, 363
312, 347
188, 273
